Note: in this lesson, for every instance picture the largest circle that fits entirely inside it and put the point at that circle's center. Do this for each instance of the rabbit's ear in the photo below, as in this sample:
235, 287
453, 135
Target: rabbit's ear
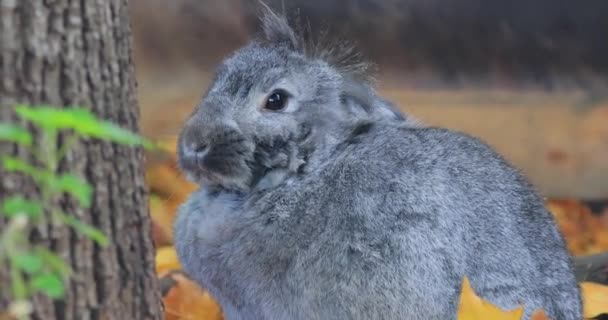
277, 29
359, 99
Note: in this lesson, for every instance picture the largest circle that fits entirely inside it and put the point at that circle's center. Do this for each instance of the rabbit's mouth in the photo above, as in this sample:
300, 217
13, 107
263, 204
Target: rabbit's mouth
225, 165
235, 171
242, 165
236, 179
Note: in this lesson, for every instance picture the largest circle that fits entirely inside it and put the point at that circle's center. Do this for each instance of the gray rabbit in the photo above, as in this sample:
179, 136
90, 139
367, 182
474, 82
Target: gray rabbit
320, 200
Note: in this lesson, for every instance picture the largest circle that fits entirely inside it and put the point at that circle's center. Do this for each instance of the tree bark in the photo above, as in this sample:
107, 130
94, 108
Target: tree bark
78, 52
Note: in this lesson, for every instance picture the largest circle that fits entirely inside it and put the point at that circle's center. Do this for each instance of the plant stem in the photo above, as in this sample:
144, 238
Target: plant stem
10, 242
48, 148
70, 141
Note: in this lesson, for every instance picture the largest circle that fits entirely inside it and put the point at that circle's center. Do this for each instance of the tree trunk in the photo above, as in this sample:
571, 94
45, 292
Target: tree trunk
78, 52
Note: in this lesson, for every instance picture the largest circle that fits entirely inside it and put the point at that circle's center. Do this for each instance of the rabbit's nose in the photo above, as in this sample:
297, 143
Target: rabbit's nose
196, 149
193, 153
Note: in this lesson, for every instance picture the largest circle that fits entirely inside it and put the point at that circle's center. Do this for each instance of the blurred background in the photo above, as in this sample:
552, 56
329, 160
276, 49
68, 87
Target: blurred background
528, 77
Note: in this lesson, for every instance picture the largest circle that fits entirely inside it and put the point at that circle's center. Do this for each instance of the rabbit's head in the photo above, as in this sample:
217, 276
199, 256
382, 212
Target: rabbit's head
273, 103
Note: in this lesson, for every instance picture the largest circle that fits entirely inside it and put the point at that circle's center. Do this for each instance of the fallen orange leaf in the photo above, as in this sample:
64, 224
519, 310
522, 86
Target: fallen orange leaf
166, 259
585, 233
187, 301
595, 299
539, 315
166, 180
472, 307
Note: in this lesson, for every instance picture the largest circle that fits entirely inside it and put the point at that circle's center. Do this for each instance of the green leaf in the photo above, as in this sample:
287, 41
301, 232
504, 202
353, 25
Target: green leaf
50, 117
13, 164
83, 121
28, 262
17, 205
50, 284
17, 282
88, 230
54, 261
15, 133
75, 186
109, 131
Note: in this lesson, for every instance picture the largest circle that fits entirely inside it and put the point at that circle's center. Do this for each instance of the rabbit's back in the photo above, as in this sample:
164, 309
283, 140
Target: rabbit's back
386, 228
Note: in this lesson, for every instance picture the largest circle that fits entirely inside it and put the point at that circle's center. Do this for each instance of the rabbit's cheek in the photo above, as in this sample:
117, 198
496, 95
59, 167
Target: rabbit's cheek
272, 179
209, 215
235, 181
214, 229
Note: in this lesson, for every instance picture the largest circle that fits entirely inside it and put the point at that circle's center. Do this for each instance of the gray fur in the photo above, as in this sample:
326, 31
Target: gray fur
341, 207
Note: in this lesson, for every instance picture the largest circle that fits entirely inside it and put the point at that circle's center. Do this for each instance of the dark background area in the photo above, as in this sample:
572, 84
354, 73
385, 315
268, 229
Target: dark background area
514, 43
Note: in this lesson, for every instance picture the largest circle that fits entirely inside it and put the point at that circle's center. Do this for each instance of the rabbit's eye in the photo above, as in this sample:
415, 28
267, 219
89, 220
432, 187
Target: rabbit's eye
276, 101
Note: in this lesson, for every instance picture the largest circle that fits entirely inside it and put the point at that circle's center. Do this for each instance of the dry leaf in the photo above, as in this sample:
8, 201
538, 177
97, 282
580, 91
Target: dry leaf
595, 299
166, 260
187, 301
166, 180
539, 315
585, 232
472, 307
